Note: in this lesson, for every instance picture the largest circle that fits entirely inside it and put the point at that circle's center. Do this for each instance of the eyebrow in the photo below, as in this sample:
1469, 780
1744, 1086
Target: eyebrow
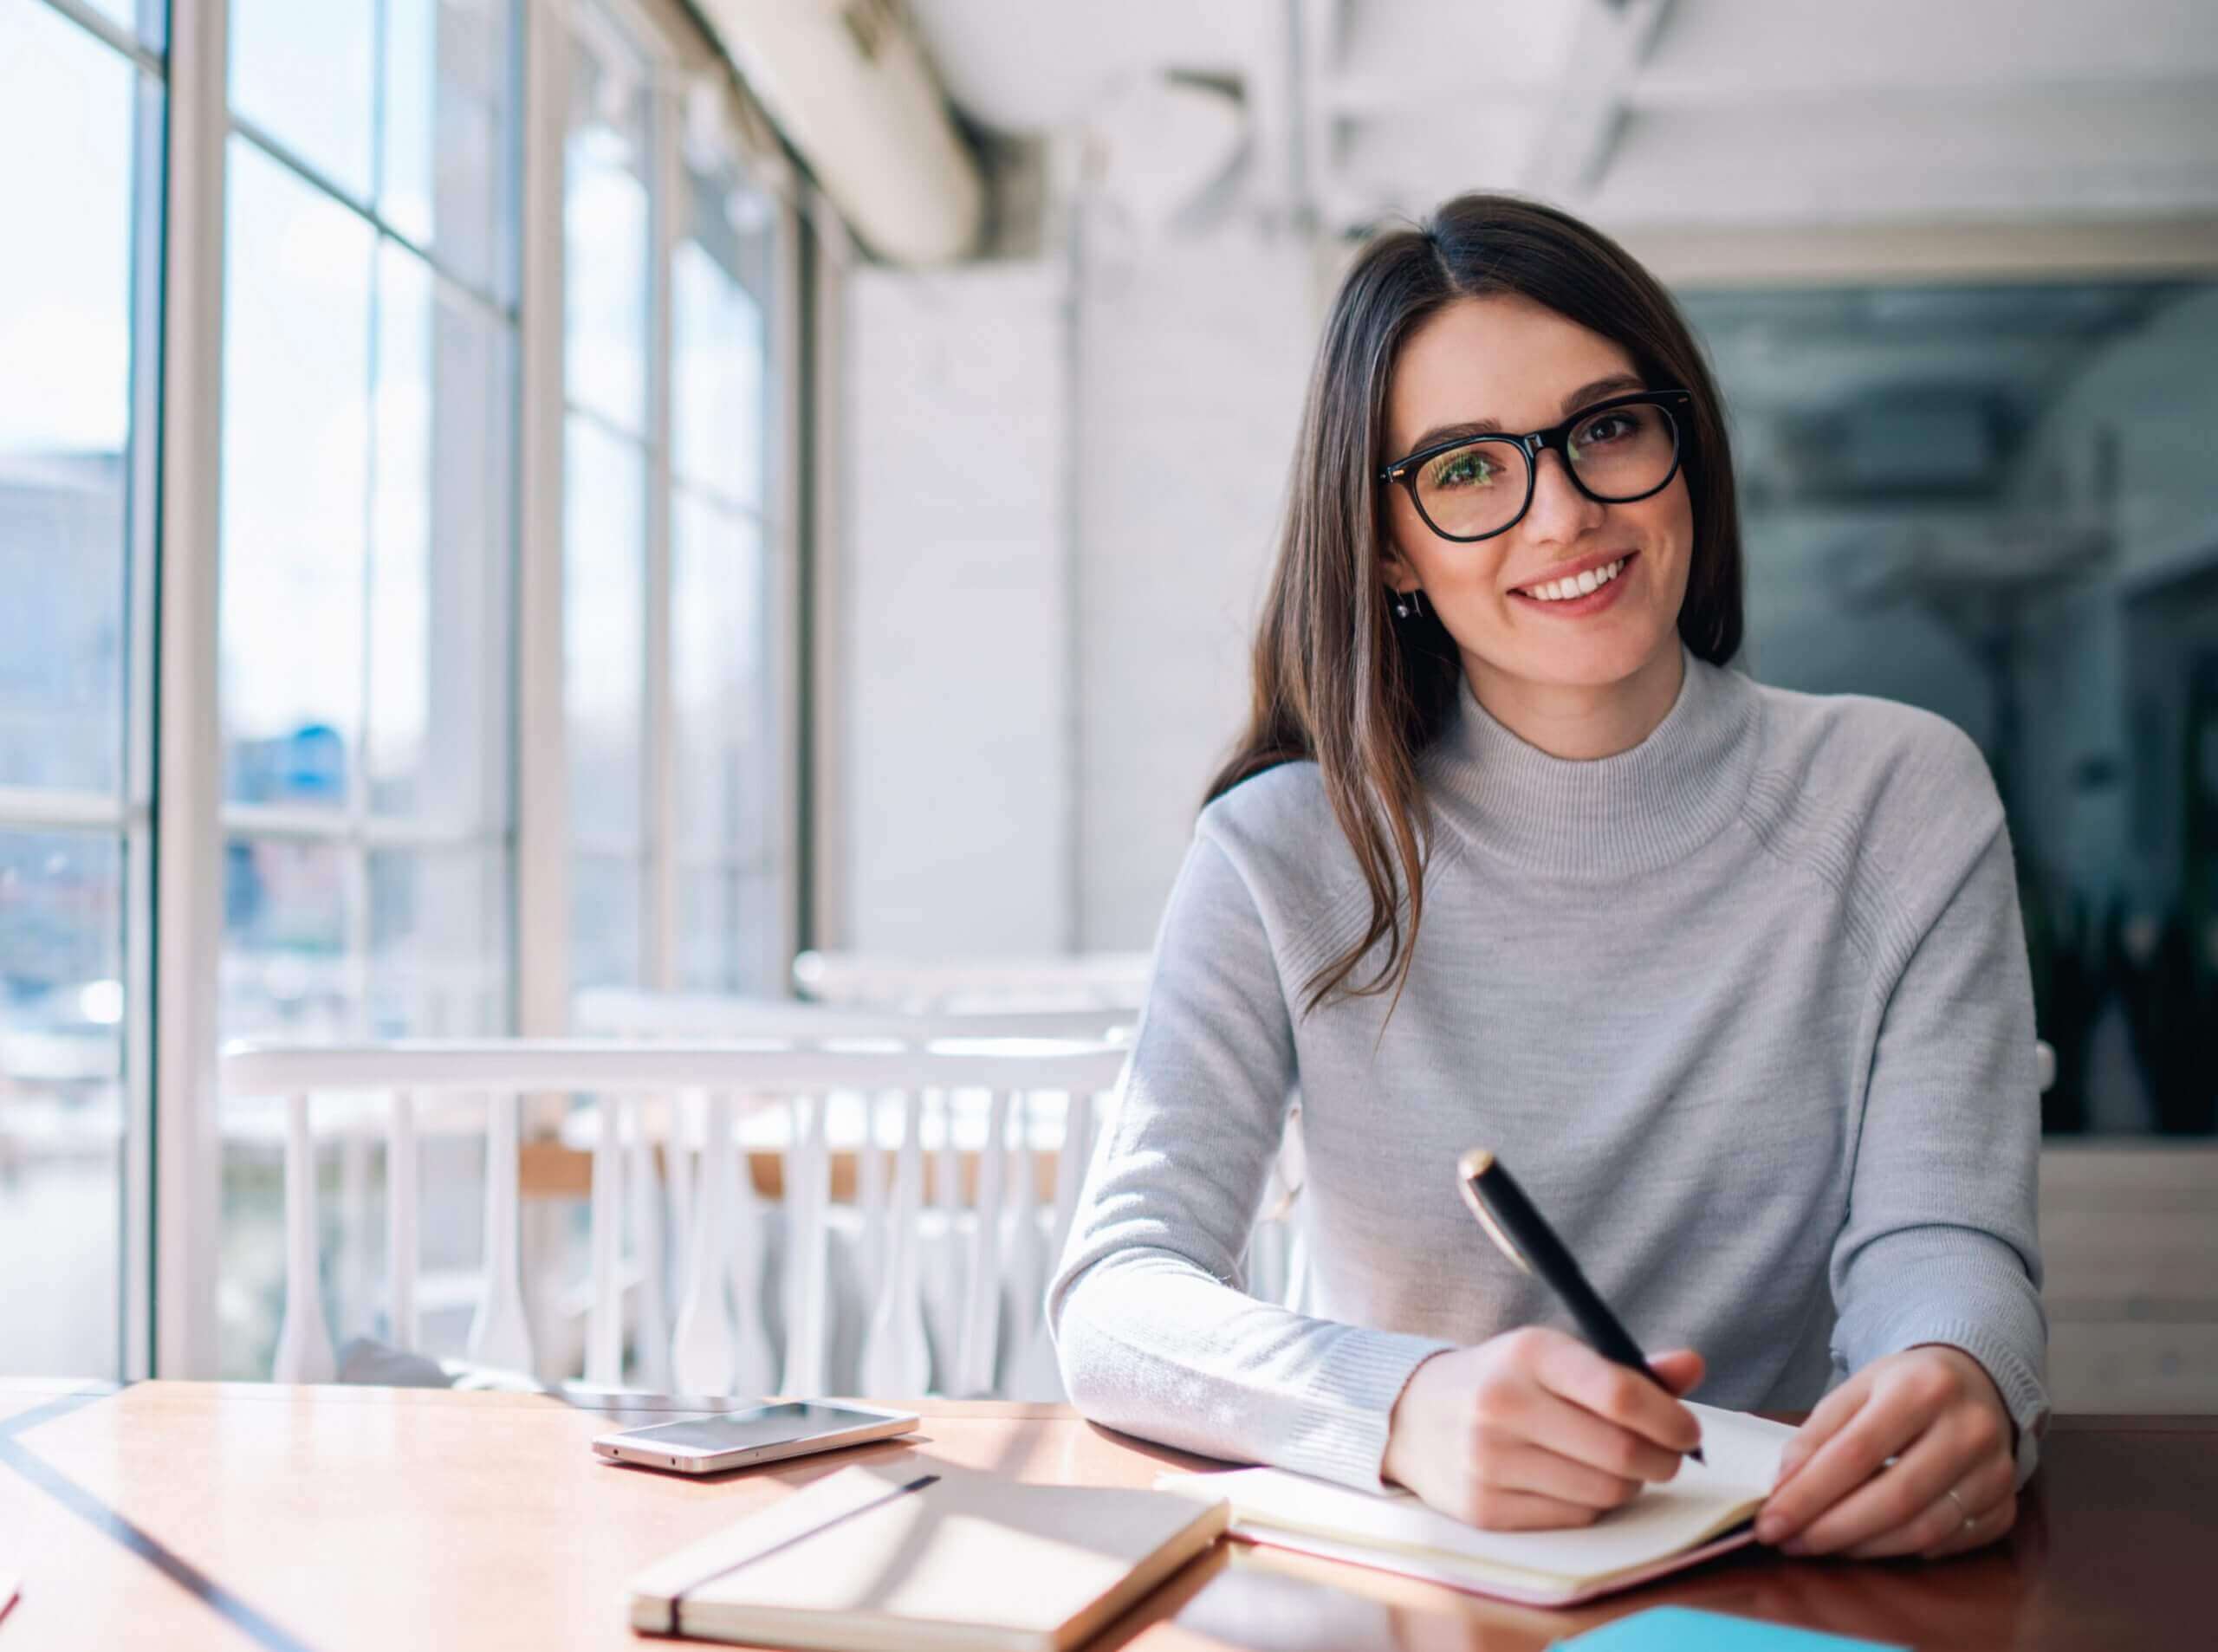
1572, 404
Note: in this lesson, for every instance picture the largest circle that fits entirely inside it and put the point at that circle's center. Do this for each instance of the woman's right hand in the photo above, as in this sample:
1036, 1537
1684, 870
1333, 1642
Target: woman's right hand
1533, 1428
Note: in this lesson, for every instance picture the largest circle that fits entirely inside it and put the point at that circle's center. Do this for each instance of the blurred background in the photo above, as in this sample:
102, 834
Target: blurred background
501, 498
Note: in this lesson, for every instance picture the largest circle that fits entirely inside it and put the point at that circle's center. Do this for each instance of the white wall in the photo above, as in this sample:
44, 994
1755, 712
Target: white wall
999, 795
953, 745
1192, 359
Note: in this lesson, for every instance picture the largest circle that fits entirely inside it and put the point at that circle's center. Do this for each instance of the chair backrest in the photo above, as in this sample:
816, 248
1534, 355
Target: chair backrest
610, 1011
1081, 981
984, 1239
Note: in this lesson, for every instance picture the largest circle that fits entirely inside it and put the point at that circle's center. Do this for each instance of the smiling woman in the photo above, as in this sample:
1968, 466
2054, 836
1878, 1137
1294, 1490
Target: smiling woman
1506, 856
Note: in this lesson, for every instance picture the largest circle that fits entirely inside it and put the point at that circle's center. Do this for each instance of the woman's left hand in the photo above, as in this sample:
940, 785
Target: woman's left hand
1933, 1410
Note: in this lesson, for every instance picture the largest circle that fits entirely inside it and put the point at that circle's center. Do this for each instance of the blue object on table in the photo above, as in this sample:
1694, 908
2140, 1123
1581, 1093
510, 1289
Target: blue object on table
1682, 1629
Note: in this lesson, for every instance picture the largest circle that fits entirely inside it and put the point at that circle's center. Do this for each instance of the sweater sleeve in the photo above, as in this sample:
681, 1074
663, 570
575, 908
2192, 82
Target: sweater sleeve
1154, 1332
1940, 1243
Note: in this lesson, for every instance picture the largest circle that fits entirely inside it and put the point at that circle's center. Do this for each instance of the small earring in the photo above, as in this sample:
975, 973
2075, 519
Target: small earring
1409, 604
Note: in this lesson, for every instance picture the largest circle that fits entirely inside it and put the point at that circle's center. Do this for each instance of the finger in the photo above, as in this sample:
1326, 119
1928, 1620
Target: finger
1682, 1369
1891, 1499
1979, 1496
1556, 1425
1831, 1416
1575, 1372
1882, 1425
1535, 1468
1499, 1508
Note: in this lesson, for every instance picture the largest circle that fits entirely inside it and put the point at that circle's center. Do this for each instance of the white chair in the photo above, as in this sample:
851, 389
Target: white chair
608, 1012
801, 1103
1079, 981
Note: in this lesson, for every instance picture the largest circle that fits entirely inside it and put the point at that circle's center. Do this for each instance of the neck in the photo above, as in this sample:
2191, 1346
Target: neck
1579, 721
1634, 809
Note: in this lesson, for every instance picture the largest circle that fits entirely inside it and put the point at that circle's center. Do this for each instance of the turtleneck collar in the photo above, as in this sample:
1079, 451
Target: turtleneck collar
1641, 809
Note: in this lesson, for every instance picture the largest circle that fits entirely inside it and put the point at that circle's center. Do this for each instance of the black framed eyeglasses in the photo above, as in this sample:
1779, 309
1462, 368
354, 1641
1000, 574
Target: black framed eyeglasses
1615, 451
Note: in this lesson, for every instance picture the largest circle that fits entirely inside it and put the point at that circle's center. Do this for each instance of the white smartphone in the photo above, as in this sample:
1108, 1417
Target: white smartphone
742, 1439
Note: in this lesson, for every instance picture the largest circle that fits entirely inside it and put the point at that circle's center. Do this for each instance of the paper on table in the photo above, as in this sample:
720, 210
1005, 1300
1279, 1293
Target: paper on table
1698, 1503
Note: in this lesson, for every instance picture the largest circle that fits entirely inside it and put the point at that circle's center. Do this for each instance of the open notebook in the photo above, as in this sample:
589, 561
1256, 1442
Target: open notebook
915, 1552
1702, 1511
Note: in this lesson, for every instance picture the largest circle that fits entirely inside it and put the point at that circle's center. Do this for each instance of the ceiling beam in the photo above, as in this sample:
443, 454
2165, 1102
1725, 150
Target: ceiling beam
1578, 136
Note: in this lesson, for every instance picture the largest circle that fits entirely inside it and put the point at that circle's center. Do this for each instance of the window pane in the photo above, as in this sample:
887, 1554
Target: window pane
731, 932
604, 607
719, 283
302, 71
285, 966
438, 951
146, 21
607, 225
605, 944
446, 179
65, 399
439, 555
61, 1004
724, 719
295, 485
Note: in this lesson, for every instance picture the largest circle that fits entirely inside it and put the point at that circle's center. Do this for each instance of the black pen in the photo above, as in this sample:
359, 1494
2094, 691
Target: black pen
1513, 1225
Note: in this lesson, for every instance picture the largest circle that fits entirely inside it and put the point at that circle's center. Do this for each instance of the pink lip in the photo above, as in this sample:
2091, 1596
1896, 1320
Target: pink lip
1595, 600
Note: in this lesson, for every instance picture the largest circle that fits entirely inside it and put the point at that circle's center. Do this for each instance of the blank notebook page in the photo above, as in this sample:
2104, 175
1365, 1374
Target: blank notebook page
1700, 1501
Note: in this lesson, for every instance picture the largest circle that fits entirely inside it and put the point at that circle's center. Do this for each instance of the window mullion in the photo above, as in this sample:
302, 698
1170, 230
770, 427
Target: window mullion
787, 657
658, 928
541, 929
189, 854
136, 1297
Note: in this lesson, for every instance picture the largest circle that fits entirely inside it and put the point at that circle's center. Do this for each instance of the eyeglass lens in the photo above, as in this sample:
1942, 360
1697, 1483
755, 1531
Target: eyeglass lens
1618, 453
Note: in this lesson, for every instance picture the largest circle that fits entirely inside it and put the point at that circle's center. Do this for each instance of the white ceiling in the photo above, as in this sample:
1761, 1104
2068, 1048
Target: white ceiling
1661, 113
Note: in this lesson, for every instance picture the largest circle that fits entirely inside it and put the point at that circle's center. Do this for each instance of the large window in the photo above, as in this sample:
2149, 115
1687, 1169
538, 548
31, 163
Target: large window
295, 430
613, 447
730, 928
82, 91
679, 867
369, 414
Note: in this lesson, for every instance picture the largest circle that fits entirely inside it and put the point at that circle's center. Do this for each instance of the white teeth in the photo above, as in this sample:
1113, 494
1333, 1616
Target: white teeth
1579, 584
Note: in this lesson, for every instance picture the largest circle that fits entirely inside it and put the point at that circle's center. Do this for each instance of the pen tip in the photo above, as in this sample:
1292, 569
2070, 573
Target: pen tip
1696, 1455
1475, 1162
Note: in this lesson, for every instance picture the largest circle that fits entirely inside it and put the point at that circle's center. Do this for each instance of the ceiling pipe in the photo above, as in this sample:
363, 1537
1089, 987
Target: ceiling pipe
849, 86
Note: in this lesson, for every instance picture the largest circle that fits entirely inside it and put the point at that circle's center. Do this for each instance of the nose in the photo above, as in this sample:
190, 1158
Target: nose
1558, 513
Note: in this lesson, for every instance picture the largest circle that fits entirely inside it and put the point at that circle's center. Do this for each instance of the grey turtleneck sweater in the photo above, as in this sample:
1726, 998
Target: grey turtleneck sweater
1745, 1008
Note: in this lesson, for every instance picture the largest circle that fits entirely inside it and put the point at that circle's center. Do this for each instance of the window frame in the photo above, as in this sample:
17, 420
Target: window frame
124, 814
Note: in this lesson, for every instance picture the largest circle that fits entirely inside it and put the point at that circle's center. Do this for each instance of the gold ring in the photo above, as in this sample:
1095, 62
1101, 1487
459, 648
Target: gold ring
1969, 1521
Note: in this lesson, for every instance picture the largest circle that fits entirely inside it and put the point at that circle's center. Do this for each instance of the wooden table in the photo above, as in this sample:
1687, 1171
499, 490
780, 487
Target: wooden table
186, 1515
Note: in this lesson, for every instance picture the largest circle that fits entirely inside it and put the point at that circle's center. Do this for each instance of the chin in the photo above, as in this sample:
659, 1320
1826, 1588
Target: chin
1609, 655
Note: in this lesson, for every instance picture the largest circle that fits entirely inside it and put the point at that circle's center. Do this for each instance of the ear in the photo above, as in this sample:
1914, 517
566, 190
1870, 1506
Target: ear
1399, 573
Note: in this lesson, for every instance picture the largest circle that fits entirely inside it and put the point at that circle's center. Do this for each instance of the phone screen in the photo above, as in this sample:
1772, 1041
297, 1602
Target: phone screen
765, 1425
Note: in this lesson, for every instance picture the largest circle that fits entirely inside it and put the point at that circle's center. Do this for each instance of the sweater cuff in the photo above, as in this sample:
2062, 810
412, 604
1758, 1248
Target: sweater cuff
2023, 1395
1339, 1434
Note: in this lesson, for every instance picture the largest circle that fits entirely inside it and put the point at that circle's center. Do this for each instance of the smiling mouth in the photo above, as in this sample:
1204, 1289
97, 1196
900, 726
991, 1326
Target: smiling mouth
1582, 592
1572, 587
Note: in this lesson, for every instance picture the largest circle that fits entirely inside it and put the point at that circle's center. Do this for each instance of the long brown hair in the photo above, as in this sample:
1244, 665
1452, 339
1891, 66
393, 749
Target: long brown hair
1337, 680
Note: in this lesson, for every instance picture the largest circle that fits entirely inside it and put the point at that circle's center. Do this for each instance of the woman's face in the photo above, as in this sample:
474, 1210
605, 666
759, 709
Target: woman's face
1507, 359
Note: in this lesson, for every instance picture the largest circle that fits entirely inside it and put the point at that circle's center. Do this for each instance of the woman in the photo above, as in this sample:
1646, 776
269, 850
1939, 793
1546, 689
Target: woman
1732, 978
